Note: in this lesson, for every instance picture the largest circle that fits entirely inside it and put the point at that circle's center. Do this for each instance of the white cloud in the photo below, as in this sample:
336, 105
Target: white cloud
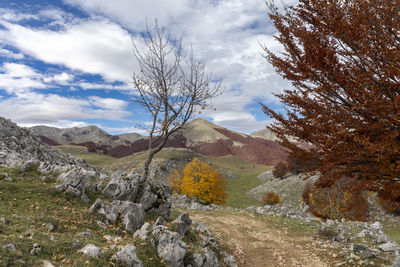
35, 108
61, 78
96, 47
108, 103
10, 54
57, 124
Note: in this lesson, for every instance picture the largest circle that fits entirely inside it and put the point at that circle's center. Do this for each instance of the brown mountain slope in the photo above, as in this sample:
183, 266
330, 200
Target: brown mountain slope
198, 135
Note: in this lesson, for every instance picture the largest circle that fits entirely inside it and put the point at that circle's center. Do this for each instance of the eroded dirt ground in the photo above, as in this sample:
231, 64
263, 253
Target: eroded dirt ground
255, 242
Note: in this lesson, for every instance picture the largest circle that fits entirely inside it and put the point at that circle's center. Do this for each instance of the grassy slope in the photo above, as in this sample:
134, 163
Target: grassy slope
28, 204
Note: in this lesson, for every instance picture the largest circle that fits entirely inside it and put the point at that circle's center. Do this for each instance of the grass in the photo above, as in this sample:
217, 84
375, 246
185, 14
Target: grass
246, 178
29, 204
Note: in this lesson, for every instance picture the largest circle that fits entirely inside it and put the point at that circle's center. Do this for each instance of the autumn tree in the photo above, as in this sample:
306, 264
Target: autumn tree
202, 181
170, 86
343, 60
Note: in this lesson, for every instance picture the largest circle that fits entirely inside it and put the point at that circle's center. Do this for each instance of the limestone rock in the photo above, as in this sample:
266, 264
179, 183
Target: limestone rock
170, 246
127, 256
211, 258
182, 223
388, 247
10, 247
143, 232
36, 248
91, 251
123, 186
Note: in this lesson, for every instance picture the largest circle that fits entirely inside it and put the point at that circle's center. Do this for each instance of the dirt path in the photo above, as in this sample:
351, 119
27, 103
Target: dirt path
254, 242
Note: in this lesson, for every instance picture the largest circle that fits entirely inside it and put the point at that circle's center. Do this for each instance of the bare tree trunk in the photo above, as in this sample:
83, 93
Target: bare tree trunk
150, 155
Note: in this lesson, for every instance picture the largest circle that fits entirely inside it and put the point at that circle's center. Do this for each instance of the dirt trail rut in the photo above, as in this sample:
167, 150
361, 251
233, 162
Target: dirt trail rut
254, 241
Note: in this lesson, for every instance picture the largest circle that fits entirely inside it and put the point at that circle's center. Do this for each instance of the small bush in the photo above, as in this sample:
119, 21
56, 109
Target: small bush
338, 202
271, 198
175, 181
280, 170
389, 197
306, 192
327, 233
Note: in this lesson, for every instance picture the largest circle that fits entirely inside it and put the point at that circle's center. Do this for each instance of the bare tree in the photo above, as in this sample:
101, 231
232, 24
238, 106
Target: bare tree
170, 86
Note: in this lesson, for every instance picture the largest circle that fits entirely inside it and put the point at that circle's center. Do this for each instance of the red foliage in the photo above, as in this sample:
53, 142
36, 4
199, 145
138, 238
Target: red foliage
48, 141
342, 58
280, 170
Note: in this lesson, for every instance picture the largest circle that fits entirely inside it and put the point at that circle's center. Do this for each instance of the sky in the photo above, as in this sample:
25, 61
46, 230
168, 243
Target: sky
69, 63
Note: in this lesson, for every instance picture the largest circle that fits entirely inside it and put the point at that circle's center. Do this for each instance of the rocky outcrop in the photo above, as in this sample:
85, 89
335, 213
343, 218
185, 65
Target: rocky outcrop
20, 148
127, 256
123, 186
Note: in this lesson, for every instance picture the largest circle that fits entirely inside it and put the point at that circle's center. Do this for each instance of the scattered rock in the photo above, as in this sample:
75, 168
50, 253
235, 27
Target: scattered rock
51, 227
10, 247
101, 224
36, 248
128, 256
91, 251
77, 244
4, 220
47, 264
85, 234
388, 247
198, 259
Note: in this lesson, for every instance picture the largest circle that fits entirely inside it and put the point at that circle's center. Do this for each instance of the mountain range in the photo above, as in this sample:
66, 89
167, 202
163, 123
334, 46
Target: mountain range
198, 135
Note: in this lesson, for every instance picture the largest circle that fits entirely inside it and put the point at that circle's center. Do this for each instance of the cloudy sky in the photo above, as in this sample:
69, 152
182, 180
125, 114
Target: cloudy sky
69, 63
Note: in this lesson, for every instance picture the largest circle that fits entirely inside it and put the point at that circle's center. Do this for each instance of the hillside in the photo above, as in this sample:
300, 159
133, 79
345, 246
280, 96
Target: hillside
199, 135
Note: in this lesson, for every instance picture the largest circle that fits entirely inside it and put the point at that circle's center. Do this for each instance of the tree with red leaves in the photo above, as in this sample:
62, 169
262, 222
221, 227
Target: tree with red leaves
343, 60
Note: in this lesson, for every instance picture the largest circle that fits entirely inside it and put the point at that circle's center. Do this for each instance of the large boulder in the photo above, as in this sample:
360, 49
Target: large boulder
123, 186
127, 256
132, 214
170, 246
75, 180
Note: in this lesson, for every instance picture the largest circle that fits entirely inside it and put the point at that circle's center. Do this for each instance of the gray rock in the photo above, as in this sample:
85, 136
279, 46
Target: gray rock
228, 260
10, 247
143, 232
148, 198
102, 225
131, 213
160, 221
30, 165
123, 186
51, 227
170, 246
182, 223
85, 234
127, 256
211, 258
198, 259
396, 262
73, 181
47, 264
4, 220
36, 248
98, 204
388, 247
356, 248
377, 227
77, 244
91, 251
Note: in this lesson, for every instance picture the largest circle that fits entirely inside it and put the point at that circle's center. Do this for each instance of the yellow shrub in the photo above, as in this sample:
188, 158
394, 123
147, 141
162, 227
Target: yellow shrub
204, 182
175, 181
